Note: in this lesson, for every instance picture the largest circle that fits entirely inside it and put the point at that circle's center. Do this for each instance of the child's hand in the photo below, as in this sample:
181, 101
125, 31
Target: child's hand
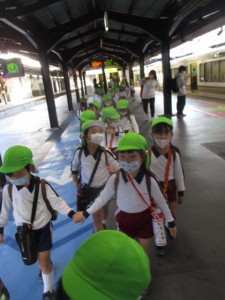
1, 239
180, 199
79, 217
173, 231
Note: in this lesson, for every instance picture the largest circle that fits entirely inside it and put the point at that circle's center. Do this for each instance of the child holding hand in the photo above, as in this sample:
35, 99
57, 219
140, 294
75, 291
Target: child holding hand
133, 215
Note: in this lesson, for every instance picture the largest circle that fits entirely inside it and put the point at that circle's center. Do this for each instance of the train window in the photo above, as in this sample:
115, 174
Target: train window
208, 72
215, 71
201, 70
222, 71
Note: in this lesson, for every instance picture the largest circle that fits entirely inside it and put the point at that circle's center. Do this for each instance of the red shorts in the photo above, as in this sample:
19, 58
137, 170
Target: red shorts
171, 190
135, 225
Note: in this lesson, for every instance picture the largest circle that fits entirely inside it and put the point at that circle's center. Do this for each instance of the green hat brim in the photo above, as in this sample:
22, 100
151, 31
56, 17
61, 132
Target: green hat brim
12, 169
90, 124
162, 120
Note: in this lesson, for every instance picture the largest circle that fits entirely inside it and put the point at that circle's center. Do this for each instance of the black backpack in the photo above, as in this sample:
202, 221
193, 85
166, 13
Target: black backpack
173, 85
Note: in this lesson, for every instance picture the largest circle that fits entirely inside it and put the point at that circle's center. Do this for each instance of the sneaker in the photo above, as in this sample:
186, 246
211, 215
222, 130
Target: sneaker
181, 115
49, 296
160, 251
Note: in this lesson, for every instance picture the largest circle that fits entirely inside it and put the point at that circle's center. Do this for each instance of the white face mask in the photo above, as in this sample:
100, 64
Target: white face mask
162, 143
19, 181
130, 167
108, 104
123, 113
97, 138
113, 124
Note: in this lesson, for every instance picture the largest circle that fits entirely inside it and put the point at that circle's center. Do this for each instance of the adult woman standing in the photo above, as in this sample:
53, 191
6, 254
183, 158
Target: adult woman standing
148, 94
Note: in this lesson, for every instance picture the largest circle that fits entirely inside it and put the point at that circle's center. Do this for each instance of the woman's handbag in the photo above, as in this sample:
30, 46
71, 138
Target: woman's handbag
25, 235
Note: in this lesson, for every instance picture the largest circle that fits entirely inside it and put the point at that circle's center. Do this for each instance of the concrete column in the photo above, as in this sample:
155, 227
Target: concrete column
81, 82
85, 86
104, 77
48, 90
166, 76
141, 63
131, 73
67, 86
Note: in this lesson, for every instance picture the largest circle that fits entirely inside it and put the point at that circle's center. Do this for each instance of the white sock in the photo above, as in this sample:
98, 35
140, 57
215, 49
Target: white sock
48, 280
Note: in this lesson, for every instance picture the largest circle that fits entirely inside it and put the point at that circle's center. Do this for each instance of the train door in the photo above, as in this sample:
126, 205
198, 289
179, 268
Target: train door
194, 76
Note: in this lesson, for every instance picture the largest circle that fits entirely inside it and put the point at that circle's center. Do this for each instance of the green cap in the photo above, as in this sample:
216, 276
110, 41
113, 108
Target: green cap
109, 265
96, 104
88, 115
83, 99
122, 104
90, 123
162, 120
106, 97
16, 158
132, 141
109, 113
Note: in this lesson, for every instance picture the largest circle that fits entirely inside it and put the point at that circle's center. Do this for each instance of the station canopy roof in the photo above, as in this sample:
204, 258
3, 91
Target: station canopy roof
75, 31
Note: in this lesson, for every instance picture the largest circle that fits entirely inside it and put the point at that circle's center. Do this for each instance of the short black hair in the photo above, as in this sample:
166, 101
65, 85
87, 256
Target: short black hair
162, 128
27, 167
182, 68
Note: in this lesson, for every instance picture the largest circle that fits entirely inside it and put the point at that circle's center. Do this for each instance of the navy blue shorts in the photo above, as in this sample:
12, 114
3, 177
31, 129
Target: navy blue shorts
43, 237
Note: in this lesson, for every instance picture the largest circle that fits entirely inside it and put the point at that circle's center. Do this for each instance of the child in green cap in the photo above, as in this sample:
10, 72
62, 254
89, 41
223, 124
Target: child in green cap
89, 157
166, 156
107, 266
20, 193
133, 187
95, 106
83, 106
113, 131
165, 163
87, 115
127, 119
107, 101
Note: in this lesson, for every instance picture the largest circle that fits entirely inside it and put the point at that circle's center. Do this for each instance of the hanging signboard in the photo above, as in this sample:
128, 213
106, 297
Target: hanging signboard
12, 67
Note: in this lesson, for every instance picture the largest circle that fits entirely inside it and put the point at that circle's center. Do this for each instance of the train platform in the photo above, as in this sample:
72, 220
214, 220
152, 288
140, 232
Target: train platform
193, 267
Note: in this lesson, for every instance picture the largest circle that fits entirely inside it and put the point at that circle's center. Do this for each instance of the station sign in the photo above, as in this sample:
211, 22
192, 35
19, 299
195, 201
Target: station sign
96, 64
12, 67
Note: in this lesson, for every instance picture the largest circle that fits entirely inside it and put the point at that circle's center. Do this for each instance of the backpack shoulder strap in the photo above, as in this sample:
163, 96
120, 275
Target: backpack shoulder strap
106, 157
116, 182
174, 149
81, 149
10, 191
35, 201
44, 194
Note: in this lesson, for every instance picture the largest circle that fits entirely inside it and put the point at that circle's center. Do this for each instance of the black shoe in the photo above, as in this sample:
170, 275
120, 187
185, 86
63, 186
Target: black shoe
160, 251
49, 296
